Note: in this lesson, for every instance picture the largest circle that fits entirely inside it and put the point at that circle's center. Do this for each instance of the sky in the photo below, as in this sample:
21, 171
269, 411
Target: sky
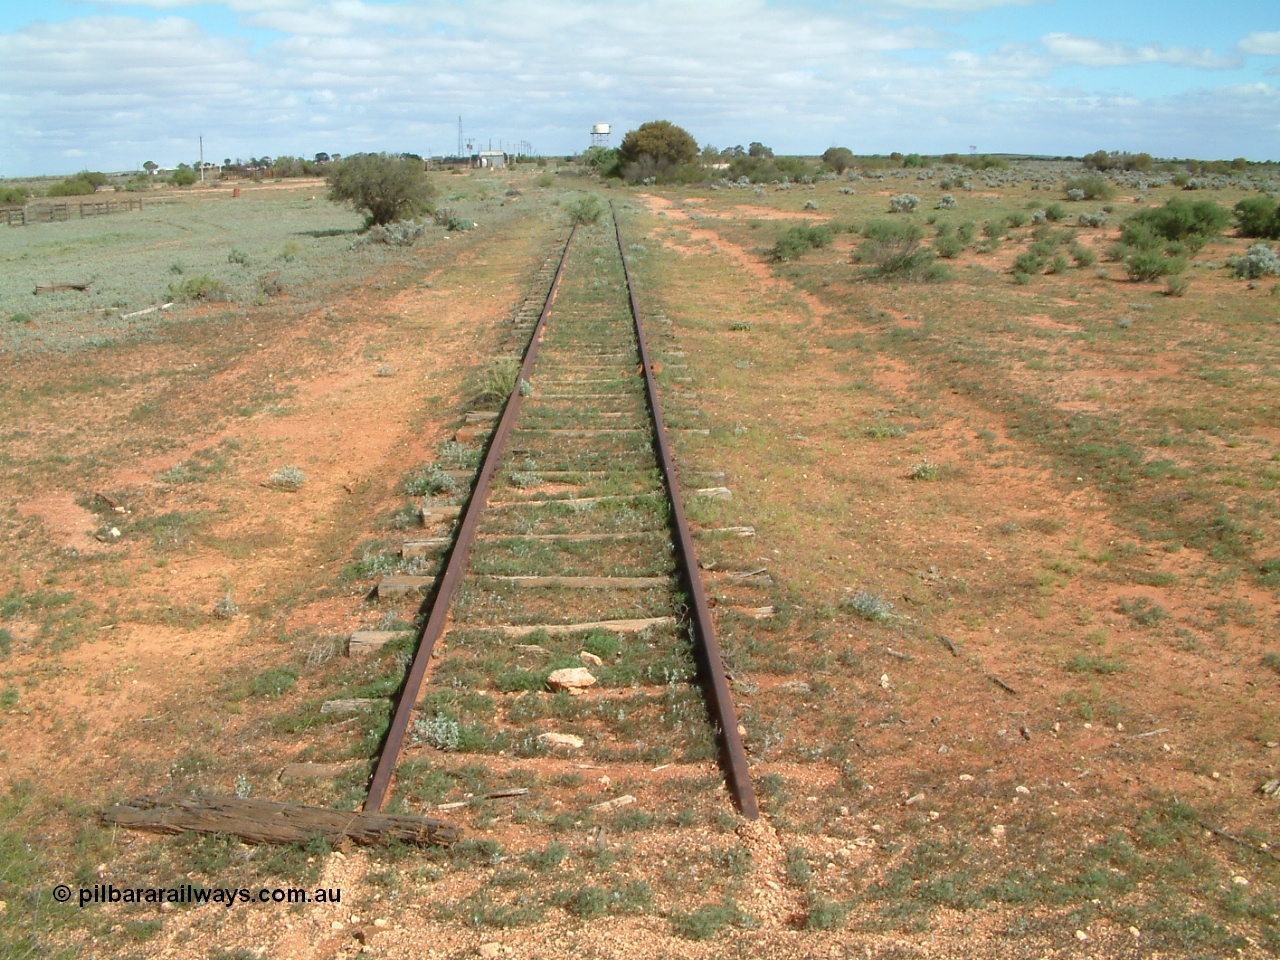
108, 84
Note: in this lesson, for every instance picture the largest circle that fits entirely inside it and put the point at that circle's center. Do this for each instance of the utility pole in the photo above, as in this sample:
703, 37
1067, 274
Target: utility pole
202, 158
459, 137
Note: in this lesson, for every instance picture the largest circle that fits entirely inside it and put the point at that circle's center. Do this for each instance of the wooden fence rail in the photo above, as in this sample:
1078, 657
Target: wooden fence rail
56, 212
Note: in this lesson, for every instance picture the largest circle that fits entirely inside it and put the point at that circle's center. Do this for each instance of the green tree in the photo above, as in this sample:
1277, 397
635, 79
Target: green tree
603, 160
661, 141
386, 187
759, 151
184, 176
838, 159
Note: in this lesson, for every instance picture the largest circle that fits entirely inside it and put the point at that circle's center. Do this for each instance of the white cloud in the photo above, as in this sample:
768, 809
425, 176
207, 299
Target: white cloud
962, 6
353, 75
1090, 52
1262, 44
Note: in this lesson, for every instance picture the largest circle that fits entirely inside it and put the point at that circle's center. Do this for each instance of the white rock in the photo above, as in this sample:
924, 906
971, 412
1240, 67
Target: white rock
571, 678
561, 740
490, 950
588, 657
623, 801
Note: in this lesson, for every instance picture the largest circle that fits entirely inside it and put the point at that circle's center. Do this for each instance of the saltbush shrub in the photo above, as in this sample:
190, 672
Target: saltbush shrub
903, 203
398, 233
1259, 261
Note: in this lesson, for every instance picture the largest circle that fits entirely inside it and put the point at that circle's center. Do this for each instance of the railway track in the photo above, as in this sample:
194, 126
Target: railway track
569, 633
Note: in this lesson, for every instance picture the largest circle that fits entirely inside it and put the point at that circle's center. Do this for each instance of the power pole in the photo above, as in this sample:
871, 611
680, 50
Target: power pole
459, 137
202, 158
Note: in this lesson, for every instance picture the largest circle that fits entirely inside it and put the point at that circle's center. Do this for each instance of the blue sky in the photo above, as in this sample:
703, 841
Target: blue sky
107, 85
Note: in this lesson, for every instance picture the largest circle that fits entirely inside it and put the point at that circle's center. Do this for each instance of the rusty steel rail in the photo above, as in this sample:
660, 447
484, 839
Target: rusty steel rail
707, 646
456, 566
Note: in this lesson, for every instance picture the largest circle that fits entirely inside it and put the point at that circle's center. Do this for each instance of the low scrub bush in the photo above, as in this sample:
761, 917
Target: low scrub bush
587, 208
798, 241
1090, 187
498, 380
71, 187
1028, 262
1192, 223
900, 260
1082, 255
446, 218
398, 233
202, 287
948, 246
870, 606
1152, 265
709, 920
13, 195
1258, 217
430, 481
893, 231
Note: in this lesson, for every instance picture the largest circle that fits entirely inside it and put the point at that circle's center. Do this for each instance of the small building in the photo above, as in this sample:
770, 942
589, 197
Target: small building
491, 158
